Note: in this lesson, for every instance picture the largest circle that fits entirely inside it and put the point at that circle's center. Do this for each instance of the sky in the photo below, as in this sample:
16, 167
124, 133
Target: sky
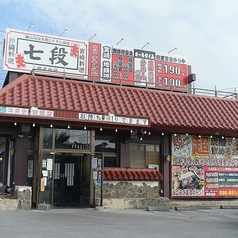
205, 31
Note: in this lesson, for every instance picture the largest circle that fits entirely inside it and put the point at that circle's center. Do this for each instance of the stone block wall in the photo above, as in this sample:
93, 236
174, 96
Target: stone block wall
24, 194
129, 194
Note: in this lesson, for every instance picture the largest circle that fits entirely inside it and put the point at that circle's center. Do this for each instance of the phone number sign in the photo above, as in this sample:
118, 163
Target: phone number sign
221, 181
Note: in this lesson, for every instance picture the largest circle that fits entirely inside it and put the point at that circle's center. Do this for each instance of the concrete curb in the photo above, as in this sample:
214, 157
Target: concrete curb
228, 207
186, 208
158, 208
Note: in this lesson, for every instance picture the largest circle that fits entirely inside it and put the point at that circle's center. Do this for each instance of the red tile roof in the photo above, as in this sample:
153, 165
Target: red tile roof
112, 173
168, 111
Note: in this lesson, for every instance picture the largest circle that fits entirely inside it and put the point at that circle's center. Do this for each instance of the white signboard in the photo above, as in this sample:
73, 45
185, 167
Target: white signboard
113, 119
106, 63
44, 54
34, 111
144, 71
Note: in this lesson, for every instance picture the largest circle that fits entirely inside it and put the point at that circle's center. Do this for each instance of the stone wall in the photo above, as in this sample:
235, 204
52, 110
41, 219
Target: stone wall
24, 194
129, 194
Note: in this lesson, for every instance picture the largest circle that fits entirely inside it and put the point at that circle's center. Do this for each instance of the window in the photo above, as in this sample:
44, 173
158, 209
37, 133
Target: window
72, 139
47, 138
31, 143
109, 149
144, 155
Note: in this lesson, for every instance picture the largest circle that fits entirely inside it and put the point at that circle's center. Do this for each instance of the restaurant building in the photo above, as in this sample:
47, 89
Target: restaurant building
87, 123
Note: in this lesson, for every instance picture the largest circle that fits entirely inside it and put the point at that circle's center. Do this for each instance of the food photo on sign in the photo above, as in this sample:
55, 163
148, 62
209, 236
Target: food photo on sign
204, 166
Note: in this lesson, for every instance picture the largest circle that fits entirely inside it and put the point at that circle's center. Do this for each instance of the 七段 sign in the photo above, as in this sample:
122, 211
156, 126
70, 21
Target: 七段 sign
204, 166
68, 58
26, 51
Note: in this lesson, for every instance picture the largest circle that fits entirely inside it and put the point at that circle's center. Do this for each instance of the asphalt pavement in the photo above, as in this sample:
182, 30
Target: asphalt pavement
135, 223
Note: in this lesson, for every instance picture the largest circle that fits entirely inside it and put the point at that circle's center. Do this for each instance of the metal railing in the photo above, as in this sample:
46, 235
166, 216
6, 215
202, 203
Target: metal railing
214, 93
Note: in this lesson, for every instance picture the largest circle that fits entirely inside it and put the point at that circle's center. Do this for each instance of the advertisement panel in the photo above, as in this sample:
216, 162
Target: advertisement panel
94, 61
144, 68
171, 72
204, 166
123, 66
106, 63
50, 55
29, 52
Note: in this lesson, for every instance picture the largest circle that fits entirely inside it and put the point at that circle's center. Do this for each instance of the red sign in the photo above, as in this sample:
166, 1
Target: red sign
171, 76
123, 69
94, 61
220, 181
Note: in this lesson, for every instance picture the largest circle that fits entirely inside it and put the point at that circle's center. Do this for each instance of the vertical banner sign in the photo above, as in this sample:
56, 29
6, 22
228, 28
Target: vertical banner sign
171, 72
106, 63
94, 61
144, 71
204, 166
50, 55
123, 66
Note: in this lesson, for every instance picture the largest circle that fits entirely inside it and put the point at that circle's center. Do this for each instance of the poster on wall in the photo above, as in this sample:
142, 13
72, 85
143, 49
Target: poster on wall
44, 54
204, 167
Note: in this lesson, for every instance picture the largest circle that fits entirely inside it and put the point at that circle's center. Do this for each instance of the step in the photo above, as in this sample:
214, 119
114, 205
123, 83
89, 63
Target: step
8, 204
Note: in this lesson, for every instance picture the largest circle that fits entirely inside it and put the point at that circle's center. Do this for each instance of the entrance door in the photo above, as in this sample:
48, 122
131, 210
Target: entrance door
67, 180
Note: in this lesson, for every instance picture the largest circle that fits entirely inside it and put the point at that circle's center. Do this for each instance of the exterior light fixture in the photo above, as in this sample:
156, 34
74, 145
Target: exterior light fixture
31, 25
92, 37
233, 138
162, 133
149, 133
120, 41
68, 127
100, 128
140, 138
34, 124
131, 131
175, 134
15, 123
186, 134
145, 45
115, 130
85, 128
199, 136
222, 137
143, 131
211, 136
51, 125
168, 157
65, 30
172, 50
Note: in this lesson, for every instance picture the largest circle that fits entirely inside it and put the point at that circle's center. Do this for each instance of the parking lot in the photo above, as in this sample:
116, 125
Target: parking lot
90, 223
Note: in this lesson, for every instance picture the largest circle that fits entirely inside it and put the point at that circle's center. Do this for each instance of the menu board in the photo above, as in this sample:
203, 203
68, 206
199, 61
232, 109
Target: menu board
204, 167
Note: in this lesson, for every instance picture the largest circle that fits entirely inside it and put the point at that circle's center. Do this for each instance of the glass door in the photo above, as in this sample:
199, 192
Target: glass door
67, 180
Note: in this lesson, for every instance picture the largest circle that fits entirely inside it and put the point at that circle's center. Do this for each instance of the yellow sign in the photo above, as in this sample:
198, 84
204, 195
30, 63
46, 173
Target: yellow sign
42, 185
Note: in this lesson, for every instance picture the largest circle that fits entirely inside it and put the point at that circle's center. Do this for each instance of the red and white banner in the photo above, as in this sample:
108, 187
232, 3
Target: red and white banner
68, 58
